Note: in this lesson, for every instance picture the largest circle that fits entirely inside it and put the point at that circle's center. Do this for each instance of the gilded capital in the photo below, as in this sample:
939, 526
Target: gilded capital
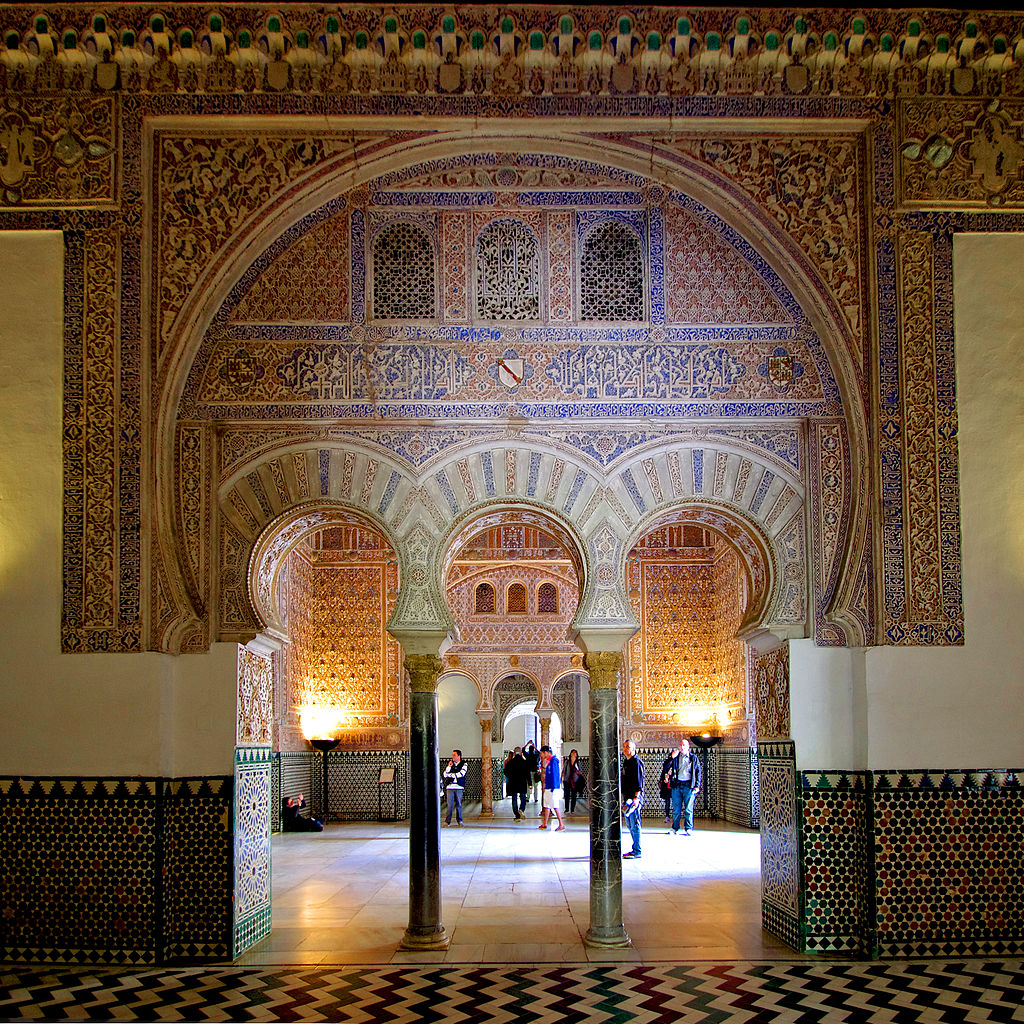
424, 670
603, 668
485, 724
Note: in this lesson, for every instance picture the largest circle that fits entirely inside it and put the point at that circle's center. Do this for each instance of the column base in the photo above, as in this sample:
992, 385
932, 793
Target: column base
431, 940
607, 938
486, 814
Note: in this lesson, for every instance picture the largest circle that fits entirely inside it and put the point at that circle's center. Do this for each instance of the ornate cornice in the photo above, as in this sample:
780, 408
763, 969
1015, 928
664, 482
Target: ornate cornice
510, 52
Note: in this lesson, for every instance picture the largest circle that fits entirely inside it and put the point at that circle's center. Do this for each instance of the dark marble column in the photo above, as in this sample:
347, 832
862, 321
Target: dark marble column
425, 930
606, 927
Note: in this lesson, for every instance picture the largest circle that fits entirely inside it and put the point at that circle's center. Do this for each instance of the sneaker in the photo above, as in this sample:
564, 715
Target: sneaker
460, 824
675, 831
631, 856
561, 828
517, 818
542, 826
686, 831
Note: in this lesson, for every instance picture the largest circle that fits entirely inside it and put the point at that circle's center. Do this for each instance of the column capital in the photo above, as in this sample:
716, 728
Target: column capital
424, 670
485, 723
603, 668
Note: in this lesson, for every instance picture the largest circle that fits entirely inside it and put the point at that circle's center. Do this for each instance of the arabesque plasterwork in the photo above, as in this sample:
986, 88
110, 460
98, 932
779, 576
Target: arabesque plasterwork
818, 161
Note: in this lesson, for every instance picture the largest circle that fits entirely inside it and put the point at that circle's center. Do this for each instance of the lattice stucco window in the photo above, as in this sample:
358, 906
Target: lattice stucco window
403, 273
515, 599
507, 272
611, 274
547, 598
484, 603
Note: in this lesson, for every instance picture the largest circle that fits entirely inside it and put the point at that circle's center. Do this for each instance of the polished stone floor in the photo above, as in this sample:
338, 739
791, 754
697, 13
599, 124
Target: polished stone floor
512, 894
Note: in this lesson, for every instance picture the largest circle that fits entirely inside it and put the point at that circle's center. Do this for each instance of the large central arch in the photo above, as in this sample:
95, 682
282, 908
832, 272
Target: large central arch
335, 177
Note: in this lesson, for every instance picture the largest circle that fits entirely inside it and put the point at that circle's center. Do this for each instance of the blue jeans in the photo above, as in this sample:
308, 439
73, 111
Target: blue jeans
518, 804
454, 800
683, 798
633, 823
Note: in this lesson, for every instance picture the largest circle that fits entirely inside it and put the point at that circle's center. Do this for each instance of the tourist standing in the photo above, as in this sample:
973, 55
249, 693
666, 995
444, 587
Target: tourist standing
631, 783
684, 777
574, 780
552, 797
455, 785
517, 781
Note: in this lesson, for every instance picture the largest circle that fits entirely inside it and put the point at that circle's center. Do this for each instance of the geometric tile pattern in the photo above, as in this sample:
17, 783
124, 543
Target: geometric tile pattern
74, 886
836, 847
949, 863
736, 788
357, 795
780, 864
919, 864
115, 870
697, 993
197, 868
253, 789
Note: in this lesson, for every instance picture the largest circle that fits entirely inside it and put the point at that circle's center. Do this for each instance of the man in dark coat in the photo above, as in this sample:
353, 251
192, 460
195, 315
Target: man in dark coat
683, 775
517, 781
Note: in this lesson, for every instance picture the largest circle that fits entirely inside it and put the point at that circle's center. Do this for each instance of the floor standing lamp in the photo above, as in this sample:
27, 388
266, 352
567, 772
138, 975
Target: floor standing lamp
325, 744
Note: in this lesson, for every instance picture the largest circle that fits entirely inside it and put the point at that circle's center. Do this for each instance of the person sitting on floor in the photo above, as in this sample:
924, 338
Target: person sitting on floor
294, 820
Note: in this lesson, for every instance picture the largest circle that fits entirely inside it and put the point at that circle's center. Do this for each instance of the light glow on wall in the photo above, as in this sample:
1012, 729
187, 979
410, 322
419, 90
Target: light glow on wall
712, 715
321, 722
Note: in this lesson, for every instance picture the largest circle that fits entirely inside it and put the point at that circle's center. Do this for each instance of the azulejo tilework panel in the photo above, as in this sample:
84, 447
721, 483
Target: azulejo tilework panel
949, 871
252, 853
115, 870
80, 866
356, 793
781, 891
912, 863
197, 867
737, 786
836, 852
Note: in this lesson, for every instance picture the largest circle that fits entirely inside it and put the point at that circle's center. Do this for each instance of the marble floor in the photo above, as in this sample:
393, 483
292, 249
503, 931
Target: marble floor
512, 894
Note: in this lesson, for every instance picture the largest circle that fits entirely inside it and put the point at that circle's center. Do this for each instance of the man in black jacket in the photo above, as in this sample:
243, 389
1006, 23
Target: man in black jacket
683, 775
631, 783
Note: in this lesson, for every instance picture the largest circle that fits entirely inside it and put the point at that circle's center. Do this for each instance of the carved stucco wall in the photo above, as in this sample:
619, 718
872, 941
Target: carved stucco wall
686, 661
910, 152
340, 655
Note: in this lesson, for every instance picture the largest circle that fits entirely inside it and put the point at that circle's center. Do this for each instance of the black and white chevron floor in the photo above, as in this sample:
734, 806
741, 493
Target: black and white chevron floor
899, 992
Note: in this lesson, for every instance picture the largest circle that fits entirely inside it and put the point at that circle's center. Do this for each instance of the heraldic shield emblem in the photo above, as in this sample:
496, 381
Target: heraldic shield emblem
780, 369
511, 371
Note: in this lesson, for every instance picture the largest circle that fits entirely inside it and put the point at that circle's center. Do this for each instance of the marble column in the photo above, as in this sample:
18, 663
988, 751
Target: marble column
545, 730
425, 930
486, 774
606, 927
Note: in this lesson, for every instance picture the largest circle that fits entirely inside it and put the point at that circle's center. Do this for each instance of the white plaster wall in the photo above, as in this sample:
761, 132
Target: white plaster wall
824, 722
519, 730
457, 724
75, 714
